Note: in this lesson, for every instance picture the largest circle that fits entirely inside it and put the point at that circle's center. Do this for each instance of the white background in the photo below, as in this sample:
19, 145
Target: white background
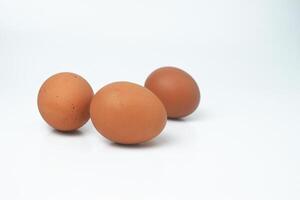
243, 143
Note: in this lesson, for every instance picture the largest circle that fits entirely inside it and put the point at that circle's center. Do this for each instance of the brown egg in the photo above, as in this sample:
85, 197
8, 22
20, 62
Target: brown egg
127, 113
177, 90
64, 101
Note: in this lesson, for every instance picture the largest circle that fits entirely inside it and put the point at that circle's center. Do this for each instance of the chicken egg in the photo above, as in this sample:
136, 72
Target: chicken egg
127, 113
177, 90
64, 101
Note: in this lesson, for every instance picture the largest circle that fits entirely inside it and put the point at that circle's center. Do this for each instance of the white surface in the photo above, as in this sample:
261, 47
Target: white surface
242, 142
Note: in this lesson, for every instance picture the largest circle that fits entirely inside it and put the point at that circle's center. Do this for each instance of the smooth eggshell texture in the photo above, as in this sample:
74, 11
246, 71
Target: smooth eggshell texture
64, 101
177, 90
127, 113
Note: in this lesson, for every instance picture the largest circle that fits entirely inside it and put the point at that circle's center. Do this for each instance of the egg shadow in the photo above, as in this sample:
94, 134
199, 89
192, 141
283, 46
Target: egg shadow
160, 141
75, 133
197, 116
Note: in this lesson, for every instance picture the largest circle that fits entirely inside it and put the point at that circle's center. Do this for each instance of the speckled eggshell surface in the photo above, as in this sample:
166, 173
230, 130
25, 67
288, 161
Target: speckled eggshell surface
127, 113
177, 90
64, 101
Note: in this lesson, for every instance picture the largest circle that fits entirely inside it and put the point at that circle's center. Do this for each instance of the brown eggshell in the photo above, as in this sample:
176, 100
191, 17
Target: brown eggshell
177, 90
64, 100
127, 113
